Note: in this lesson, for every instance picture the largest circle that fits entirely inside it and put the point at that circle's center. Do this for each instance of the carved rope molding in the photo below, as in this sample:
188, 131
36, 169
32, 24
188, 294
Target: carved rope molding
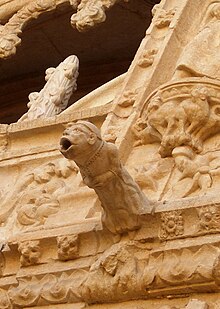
89, 13
121, 274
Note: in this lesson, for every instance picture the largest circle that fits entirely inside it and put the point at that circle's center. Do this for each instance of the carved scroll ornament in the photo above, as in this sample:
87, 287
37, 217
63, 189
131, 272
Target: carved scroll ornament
101, 170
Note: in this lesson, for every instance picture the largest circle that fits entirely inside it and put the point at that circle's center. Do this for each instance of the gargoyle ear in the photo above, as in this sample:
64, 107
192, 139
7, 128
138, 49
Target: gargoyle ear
92, 138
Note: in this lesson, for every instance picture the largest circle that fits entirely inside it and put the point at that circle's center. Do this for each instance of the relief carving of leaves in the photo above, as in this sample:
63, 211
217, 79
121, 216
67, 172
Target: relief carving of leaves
205, 258
151, 269
176, 268
26, 294
55, 290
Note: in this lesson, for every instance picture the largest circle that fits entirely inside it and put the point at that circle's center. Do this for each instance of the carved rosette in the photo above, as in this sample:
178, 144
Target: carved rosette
172, 224
180, 113
209, 218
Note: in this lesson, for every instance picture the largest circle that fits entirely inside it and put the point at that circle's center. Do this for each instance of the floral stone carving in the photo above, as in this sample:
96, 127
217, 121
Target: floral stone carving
68, 247
54, 97
98, 161
209, 218
90, 13
30, 252
172, 224
164, 18
147, 58
181, 113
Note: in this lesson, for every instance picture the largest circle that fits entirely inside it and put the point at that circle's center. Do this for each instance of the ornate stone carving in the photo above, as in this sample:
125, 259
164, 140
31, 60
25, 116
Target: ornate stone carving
197, 171
30, 252
119, 274
101, 170
148, 177
35, 195
10, 32
111, 134
172, 224
164, 18
90, 13
181, 113
128, 98
147, 58
209, 218
54, 97
68, 247
36, 209
124, 271
50, 289
27, 293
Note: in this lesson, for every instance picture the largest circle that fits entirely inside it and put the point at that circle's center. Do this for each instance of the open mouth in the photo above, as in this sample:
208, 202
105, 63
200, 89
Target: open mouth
65, 144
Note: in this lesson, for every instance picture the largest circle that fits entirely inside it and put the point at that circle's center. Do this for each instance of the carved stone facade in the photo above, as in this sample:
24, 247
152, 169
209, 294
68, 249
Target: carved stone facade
114, 202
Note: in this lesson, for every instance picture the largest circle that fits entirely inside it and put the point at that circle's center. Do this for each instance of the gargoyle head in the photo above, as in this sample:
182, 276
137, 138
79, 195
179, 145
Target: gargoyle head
79, 140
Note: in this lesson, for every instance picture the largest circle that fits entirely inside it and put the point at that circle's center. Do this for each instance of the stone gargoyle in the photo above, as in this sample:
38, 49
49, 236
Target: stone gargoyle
121, 198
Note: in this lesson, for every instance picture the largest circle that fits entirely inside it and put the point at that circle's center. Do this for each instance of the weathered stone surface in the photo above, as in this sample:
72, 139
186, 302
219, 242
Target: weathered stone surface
83, 234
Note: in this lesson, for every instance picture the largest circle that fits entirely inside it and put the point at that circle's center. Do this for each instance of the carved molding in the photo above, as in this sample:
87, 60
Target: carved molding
36, 194
123, 272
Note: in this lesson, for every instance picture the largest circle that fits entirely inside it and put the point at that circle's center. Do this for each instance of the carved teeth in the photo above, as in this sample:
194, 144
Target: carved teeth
65, 143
